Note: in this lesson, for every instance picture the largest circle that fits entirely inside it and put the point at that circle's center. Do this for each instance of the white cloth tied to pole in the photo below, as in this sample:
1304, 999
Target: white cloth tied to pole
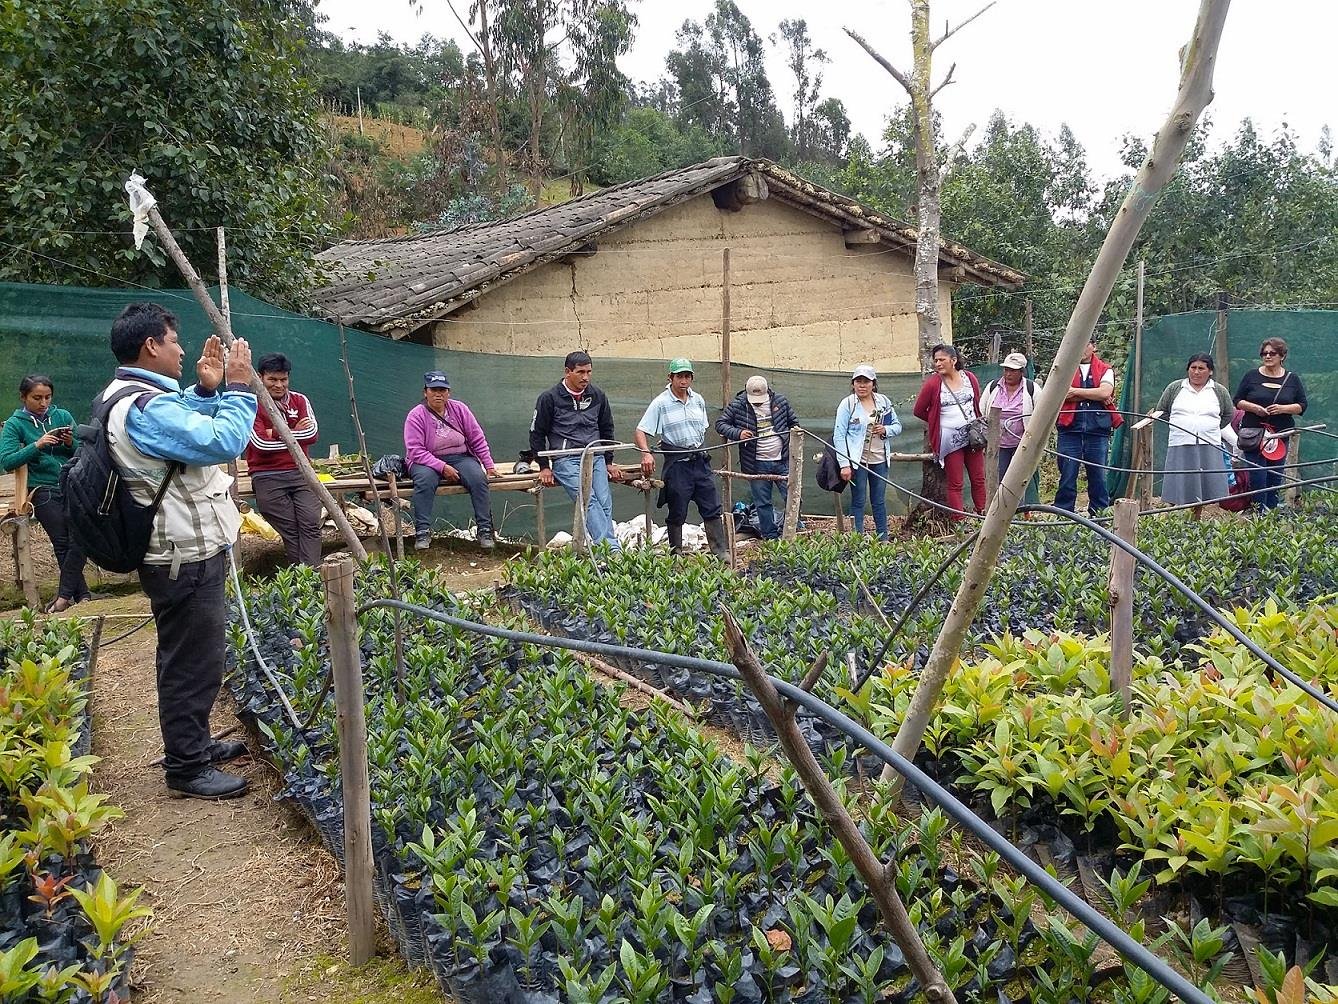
140, 204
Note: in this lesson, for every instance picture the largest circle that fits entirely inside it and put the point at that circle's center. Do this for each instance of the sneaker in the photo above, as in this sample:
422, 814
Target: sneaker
222, 752
422, 541
486, 540
210, 784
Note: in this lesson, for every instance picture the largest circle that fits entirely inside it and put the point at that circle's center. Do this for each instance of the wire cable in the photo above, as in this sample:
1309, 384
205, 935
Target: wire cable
255, 647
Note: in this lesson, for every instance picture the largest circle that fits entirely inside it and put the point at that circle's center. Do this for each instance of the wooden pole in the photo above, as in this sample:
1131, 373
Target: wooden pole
342, 629
399, 528
1291, 470
1221, 348
995, 428
263, 400
24, 575
225, 308
726, 392
1122, 603
794, 489
580, 535
840, 512
540, 526
1138, 340
360, 129
1145, 485
1027, 336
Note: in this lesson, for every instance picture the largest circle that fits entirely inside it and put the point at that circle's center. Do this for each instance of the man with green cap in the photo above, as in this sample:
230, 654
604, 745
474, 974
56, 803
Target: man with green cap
678, 416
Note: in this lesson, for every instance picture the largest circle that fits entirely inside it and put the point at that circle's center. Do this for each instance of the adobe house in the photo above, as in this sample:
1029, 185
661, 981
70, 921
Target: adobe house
817, 281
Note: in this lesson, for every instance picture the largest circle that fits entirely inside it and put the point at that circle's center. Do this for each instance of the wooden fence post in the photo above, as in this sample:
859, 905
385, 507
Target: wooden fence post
540, 526
25, 578
1140, 459
649, 502
1291, 472
995, 427
342, 628
1221, 347
580, 536
795, 485
840, 512
1138, 340
1122, 603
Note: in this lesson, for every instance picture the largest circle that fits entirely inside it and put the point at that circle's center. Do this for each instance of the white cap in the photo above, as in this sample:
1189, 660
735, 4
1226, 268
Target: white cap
756, 388
1015, 361
866, 371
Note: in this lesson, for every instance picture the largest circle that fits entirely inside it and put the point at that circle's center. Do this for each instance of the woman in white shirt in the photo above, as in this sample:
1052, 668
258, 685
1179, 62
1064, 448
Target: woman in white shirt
1199, 410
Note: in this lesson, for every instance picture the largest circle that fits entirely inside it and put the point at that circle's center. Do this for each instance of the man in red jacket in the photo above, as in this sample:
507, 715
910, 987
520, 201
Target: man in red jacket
1085, 423
282, 495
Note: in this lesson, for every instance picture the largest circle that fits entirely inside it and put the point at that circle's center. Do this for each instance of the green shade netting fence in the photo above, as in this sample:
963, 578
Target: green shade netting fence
1169, 341
62, 331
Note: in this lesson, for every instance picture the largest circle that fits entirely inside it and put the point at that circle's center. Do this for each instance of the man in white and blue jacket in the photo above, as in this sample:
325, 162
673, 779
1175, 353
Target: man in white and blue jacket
167, 432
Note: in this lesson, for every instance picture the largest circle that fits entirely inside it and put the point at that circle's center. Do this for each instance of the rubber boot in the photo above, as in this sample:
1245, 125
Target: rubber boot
716, 539
675, 538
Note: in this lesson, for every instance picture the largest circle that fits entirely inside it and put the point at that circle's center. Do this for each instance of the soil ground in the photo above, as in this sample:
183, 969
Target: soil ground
247, 904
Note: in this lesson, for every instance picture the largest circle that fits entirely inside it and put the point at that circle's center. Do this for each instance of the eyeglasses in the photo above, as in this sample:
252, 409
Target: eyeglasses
1269, 352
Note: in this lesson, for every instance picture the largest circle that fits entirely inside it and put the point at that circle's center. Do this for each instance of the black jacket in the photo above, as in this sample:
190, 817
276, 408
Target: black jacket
558, 423
739, 415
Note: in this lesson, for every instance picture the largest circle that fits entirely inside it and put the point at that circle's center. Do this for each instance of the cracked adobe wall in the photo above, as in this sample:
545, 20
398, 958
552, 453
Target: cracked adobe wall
800, 299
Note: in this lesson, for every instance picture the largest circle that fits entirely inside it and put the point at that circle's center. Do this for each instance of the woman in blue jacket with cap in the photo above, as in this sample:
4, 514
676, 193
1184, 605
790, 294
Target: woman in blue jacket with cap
866, 424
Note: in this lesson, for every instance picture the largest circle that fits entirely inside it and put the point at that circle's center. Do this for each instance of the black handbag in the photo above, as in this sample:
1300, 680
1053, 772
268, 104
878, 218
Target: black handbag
1251, 440
828, 474
977, 432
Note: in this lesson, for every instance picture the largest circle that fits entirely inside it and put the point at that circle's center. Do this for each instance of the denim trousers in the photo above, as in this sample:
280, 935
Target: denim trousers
1076, 450
1264, 473
49, 508
472, 477
599, 508
867, 483
766, 512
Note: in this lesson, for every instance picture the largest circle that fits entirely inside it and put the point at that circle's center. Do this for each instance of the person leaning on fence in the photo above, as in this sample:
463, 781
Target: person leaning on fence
569, 416
948, 403
1015, 397
1271, 397
282, 494
866, 423
444, 444
678, 416
760, 421
177, 437
1085, 422
40, 436
1199, 411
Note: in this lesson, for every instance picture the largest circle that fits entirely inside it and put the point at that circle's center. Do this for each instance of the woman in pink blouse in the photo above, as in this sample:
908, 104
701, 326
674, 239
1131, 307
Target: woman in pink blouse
444, 443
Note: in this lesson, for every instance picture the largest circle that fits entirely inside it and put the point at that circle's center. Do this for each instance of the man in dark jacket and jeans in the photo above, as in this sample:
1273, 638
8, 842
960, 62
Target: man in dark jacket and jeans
762, 420
568, 416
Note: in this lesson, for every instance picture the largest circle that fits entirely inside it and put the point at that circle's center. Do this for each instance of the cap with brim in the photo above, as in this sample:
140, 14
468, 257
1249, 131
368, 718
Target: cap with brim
1273, 448
1015, 361
757, 389
436, 378
865, 371
680, 365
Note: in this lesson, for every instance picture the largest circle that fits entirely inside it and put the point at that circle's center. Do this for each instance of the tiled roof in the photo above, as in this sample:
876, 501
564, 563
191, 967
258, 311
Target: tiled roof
403, 282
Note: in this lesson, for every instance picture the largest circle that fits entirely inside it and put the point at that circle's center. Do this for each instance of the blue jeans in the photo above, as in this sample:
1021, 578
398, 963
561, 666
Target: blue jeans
1265, 473
599, 509
766, 512
1078, 449
426, 481
868, 481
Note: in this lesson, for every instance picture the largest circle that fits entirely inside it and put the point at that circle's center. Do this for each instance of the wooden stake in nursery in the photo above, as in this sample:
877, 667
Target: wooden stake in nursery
880, 876
580, 536
794, 487
992, 451
1122, 603
342, 629
726, 390
1197, 61
264, 401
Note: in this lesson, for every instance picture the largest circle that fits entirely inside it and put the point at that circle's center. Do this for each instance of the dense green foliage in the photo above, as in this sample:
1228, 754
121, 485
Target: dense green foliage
207, 100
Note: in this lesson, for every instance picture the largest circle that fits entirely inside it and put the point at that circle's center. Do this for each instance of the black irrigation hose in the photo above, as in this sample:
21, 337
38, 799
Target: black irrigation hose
1172, 579
1136, 953
126, 634
1155, 471
920, 594
1308, 483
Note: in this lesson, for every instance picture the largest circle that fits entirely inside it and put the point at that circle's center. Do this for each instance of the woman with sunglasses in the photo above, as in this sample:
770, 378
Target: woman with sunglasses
1271, 396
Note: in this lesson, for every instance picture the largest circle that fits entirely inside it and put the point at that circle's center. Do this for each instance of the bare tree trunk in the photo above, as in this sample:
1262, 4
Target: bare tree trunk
494, 99
1198, 59
929, 322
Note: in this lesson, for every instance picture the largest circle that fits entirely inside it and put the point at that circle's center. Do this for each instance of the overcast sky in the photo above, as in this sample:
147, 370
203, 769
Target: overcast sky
1105, 67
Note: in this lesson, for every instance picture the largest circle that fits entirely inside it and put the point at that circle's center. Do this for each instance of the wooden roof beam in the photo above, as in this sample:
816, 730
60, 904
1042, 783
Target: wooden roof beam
855, 236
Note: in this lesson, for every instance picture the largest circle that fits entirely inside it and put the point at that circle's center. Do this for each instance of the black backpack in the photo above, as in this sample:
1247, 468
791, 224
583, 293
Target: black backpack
110, 527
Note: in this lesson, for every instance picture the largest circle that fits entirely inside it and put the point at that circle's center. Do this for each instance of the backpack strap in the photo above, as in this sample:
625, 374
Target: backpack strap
102, 410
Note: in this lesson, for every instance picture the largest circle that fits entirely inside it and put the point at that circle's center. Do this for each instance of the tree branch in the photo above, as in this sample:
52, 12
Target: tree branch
451, 5
897, 75
949, 32
955, 151
881, 878
944, 82
1195, 93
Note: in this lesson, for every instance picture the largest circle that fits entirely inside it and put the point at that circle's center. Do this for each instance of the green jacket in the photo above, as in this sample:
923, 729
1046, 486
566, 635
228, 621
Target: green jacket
21, 431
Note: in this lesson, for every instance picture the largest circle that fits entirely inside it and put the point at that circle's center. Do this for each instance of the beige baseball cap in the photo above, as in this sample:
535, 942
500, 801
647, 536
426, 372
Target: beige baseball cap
1015, 361
757, 389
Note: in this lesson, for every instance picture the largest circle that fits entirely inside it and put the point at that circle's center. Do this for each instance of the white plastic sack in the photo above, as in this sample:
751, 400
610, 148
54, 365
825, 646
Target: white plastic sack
140, 204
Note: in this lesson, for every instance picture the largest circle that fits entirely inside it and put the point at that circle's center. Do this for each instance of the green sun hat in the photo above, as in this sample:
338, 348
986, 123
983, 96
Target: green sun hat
680, 365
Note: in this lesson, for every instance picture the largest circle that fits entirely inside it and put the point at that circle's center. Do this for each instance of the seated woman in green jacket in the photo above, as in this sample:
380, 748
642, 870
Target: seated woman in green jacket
41, 436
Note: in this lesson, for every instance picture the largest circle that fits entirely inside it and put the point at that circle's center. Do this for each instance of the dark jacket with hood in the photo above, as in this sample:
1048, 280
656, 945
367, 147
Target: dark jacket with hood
18, 445
563, 421
739, 415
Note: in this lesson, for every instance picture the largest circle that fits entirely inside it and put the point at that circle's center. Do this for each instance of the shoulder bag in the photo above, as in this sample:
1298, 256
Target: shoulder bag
977, 431
1251, 440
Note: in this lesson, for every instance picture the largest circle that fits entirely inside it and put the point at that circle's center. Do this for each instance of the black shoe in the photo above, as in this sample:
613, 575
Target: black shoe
222, 752
209, 783
486, 540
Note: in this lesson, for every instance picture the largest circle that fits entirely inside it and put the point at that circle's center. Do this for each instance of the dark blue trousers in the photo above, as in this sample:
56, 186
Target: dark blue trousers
1076, 450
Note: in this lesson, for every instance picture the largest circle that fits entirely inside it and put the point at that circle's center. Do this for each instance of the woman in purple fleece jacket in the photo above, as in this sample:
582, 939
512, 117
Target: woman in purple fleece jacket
443, 442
